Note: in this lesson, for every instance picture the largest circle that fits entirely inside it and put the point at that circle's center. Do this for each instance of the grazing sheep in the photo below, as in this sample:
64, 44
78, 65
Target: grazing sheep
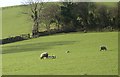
44, 55
52, 57
103, 48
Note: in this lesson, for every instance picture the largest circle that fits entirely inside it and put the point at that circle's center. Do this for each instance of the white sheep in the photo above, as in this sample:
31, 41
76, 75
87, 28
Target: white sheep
52, 57
44, 55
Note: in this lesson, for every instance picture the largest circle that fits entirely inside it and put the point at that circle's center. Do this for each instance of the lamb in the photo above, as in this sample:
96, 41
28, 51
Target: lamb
52, 57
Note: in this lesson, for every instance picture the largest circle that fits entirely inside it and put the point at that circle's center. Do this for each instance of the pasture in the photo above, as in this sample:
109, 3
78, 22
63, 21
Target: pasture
85, 57
15, 22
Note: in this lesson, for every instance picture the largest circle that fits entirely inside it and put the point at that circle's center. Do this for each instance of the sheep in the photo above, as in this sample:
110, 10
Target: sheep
44, 55
103, 48
52, 57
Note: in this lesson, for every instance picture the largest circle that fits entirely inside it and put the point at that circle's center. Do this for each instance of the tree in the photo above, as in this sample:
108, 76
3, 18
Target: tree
118, 17
35, 8
68, 16
103, 17
113, 17
92, 16
77, 14
51, 14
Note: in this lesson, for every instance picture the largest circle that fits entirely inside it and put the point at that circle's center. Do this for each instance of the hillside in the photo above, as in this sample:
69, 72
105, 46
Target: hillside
84, 57
16, 23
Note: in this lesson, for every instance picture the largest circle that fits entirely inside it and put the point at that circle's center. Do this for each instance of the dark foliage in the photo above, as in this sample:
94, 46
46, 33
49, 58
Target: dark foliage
83, 16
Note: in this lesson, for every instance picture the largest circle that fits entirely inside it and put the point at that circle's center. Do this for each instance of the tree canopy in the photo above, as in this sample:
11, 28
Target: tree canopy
75, 16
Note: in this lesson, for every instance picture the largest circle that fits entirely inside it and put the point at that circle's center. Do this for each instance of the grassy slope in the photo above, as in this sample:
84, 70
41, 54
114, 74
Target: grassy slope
14, 22
109, 4
84, 57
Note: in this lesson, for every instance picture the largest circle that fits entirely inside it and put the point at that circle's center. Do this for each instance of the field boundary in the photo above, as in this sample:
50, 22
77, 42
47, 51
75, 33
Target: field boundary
0, 41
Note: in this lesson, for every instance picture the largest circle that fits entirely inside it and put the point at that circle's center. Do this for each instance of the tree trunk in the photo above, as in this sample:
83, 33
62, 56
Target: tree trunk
35, 31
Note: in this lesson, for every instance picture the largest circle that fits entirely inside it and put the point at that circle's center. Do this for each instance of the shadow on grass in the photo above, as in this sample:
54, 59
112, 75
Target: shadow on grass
34, 47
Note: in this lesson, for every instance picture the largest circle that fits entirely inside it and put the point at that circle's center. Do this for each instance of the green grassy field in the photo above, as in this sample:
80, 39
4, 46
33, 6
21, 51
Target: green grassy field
84, 57
15, 22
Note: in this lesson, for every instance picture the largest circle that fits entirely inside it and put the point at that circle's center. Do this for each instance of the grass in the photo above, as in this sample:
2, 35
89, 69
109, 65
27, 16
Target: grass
108, 4
84, 57
15, 22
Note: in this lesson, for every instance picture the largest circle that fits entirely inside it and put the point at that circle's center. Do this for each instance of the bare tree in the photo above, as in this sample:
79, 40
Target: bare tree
35, 7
